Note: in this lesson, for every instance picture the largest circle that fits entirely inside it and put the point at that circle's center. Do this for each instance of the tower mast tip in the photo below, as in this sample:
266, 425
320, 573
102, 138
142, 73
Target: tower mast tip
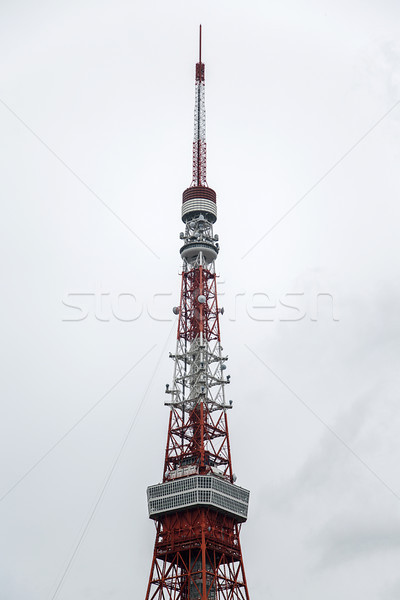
200, 45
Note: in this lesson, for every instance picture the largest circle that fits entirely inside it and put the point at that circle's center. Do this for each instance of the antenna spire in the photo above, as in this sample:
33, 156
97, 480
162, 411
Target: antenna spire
199, 141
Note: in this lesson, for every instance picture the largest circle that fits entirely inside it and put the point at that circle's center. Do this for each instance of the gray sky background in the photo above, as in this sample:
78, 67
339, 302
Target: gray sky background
291, 87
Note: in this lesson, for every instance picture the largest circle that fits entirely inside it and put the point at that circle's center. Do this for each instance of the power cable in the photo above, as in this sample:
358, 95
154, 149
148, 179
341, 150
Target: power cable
110, 474
66, 434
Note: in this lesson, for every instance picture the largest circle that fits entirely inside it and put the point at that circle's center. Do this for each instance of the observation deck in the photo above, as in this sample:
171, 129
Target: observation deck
198, 490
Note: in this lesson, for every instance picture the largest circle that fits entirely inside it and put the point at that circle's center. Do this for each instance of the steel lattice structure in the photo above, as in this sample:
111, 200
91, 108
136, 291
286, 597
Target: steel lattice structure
198, 509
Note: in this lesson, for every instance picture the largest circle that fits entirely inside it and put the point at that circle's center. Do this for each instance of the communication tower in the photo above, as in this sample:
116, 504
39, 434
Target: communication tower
198, 509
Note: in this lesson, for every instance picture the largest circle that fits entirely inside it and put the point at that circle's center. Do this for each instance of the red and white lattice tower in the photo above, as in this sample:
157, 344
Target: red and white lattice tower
198, 510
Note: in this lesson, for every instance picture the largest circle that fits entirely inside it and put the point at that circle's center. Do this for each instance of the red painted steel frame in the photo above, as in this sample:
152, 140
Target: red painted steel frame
197, 556
201, 438
195, 317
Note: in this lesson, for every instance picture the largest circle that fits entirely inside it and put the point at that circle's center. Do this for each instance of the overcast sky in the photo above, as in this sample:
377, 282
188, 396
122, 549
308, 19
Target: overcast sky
303, 124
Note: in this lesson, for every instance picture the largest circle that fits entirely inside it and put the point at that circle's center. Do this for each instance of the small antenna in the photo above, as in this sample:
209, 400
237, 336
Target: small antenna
200, 46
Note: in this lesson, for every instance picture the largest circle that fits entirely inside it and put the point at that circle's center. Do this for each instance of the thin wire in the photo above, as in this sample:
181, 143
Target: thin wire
322, 178
77, 176
110, 473
66, 434
325, 424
